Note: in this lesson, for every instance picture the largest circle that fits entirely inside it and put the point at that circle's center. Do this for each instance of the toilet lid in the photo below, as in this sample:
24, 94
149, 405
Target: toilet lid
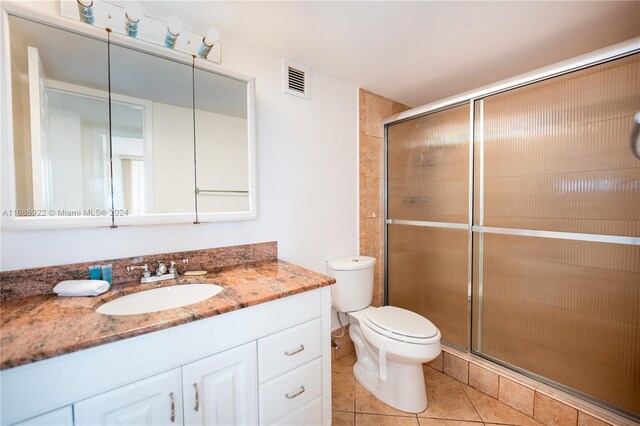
401, 322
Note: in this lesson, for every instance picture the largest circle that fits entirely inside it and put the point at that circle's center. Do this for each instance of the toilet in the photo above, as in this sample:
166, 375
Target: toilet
391, 343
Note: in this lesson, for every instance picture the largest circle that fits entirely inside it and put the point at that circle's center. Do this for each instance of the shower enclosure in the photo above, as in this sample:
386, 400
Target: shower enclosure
513, 224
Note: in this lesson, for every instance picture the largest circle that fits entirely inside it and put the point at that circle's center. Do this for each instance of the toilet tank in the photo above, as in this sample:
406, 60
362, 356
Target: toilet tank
353, 289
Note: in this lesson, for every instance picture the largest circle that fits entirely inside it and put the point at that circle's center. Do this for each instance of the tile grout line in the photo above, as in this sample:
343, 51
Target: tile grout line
471, 402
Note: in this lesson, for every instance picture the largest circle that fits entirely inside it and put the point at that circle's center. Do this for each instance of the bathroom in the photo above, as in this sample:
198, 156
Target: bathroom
331, 103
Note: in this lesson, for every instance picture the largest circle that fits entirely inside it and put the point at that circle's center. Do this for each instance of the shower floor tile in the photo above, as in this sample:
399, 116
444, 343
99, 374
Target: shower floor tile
451, 403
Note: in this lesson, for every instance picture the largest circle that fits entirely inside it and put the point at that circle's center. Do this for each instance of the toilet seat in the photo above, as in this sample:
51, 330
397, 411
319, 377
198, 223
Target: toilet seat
402, 325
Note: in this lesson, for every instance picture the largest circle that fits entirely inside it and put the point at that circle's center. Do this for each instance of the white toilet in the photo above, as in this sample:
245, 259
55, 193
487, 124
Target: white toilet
391, 343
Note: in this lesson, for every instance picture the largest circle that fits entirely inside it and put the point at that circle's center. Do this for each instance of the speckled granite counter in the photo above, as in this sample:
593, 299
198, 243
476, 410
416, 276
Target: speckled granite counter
42, 326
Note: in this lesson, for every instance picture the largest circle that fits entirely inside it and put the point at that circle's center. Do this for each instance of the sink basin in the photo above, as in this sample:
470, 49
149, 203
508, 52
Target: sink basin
159, 299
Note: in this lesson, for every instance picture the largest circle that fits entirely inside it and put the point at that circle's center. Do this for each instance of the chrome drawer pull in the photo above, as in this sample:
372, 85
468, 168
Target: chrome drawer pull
296, 393
172, 417
297, 350
197, 406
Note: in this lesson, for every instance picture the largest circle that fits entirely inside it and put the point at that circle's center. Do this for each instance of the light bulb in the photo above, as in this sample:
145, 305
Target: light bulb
85, 10
212, 36
133, 11
207, 42
174, 25
132, 15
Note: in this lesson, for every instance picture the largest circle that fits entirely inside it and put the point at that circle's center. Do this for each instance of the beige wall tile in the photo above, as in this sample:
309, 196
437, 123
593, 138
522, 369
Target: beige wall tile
516, 396
362, 110
377, 301
371, 157
436, 363
372, 229
485, 381
553, 413
371, 197
587, 420
398, 107
378, 278
371, 419
376, 109
371, 247
342, 418
342, 392
455, 367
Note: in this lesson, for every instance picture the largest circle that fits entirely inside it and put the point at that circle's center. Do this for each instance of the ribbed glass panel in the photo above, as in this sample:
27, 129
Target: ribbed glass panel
428, 274
557, 156
428, 167
566, 310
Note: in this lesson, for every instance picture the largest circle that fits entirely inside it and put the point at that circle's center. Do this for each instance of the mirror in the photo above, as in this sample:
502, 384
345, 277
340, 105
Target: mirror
222, 147
59, 82
150, 138
152, 158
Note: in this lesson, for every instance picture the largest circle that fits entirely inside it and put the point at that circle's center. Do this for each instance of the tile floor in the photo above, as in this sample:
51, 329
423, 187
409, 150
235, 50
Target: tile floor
451, 403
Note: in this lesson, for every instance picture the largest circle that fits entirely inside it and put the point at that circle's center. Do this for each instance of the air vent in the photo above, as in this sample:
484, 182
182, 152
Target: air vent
295, 79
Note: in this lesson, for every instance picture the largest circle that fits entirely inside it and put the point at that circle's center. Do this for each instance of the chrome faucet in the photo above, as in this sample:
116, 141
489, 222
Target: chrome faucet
160, 275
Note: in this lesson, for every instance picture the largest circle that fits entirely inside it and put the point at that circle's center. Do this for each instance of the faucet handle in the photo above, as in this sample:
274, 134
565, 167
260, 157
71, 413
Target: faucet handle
162, 269
145, 269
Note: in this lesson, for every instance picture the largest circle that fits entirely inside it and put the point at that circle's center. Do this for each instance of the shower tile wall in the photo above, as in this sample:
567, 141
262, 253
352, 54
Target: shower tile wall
372, 110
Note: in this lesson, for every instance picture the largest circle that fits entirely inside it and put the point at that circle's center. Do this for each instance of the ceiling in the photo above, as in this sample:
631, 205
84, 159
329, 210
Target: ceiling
414, 52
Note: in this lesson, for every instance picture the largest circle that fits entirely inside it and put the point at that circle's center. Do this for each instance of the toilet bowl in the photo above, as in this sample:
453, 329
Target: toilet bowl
391, 343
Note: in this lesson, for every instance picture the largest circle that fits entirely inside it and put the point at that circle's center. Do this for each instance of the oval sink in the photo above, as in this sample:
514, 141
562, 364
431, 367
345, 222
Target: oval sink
159, 299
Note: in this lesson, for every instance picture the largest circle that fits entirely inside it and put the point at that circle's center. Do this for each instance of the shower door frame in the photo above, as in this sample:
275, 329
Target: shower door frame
597, 57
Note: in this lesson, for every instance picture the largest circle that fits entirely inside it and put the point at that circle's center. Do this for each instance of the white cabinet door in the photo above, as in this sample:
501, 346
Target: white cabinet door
153, 401
60, 417
222, 389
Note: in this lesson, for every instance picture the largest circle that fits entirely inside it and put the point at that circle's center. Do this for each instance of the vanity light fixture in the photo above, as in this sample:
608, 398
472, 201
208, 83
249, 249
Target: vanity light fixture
174, 27
85, 10
132, 14
207, 42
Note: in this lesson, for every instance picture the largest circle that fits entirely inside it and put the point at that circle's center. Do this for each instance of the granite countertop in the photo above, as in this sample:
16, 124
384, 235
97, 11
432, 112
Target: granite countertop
42, 326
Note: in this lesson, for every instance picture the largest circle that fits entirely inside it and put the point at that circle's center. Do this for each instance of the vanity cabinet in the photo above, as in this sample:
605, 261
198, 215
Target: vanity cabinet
153, 401
265, 364
218, 390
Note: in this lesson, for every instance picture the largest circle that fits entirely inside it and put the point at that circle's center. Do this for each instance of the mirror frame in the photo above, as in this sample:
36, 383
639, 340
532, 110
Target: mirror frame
7, 160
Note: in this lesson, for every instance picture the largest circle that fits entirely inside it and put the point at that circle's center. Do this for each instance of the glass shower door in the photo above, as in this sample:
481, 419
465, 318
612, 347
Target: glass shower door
557, 220
428, 219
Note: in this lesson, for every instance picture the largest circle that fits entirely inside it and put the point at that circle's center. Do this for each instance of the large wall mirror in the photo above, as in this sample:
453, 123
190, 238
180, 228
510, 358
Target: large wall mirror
108, 131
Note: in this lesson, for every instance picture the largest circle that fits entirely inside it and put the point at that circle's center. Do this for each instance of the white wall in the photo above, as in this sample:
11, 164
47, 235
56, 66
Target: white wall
172, 141
307, 185
65, 151
222, 150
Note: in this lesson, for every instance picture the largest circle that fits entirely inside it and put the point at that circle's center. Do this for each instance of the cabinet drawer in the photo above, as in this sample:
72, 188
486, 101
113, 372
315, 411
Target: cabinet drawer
309, 415
284, 395
288, 349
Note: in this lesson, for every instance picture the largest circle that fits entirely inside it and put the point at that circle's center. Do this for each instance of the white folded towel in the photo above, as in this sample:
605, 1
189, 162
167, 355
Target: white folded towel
81, 287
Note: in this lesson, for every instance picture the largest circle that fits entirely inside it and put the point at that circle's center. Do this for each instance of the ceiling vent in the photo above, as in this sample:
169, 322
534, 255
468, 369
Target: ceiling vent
295, 79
